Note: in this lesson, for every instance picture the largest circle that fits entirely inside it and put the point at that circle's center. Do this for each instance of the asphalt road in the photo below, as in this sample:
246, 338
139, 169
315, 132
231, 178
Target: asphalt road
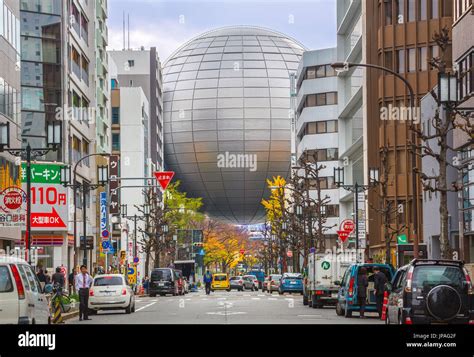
225, 308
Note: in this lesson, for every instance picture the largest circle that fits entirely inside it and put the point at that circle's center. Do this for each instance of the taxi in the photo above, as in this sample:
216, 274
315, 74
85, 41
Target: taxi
220, 282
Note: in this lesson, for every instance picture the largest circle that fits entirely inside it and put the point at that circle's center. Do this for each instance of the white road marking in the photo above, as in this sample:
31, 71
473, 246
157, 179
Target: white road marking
144, 307
255, 298
311, 316
226, 313
273, 299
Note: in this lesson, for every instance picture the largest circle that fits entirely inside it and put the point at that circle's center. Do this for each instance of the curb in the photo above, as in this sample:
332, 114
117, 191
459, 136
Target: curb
70, 315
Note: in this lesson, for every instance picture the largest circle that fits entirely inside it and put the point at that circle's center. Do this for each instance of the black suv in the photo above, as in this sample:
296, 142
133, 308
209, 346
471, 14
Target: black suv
429, 291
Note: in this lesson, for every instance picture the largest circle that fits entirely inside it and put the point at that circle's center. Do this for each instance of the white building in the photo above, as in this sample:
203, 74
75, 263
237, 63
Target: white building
317, 126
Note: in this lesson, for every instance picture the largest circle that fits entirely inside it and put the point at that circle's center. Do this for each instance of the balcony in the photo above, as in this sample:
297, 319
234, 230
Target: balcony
85, 77
76, 69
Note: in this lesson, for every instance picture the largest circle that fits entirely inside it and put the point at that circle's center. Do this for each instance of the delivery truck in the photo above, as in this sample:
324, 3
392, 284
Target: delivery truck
323, 271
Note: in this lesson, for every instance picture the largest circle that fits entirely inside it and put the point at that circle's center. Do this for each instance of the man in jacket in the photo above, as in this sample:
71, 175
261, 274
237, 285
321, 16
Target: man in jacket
379, 286
208, 281
58, 278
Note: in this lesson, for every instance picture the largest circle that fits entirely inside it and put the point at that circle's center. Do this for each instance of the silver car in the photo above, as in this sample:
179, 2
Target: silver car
250, 282
273, 283
237, 283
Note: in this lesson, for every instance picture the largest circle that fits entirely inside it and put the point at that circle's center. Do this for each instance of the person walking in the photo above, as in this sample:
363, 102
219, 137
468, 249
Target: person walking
146, 284
208, 281
379, 286
47, 277
362, 283
72, 288
58, 278
83, 282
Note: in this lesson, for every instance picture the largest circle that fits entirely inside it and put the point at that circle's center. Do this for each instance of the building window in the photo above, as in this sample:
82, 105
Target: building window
85, 151
423, 59
115, 115
466, 74
320, 99
322, 155
400, 11
434, 9
422, 10
388, 13
400, 61
332, 210
115, 141
131, 63
388, 60
411, 11
321, 71
76, 149
411, 54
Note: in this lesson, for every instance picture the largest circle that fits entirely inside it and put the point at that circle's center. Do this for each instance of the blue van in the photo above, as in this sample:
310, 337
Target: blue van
347, 295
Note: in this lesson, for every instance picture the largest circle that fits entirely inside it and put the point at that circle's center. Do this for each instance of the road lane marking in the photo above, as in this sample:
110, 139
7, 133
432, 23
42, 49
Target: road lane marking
273, 299
255, 298
144, 307
226, 313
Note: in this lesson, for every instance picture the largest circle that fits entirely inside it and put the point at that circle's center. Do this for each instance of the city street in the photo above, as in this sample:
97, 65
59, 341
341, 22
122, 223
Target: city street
225, 308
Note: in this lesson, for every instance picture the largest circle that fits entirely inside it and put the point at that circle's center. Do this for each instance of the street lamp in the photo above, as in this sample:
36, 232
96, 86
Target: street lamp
53, 140
344, 67
102, 175
299, 211
447, 89
355, 189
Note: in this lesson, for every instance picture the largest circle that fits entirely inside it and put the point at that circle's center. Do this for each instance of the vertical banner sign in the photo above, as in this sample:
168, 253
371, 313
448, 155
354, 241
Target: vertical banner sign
361, 216
114, 184
104, 233
49, 206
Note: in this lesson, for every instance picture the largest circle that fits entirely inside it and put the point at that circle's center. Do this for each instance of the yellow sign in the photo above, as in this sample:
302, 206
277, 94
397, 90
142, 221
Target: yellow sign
132, 275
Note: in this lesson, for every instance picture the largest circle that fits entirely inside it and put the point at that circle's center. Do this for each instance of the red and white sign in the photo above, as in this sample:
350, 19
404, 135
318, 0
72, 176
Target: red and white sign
343, 235
164, 178
47, 220
12, 200
347, 226
289, 254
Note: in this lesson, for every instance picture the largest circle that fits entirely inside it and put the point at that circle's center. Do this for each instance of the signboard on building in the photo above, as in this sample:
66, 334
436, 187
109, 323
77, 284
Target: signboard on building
104, 233
12, 207
49, 201
114, 184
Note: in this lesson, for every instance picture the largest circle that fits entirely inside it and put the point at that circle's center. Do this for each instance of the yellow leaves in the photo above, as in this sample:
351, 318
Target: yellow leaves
273, 205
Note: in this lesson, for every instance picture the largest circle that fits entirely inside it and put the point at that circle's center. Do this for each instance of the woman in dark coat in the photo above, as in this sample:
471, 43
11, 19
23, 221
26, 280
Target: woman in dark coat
362, 284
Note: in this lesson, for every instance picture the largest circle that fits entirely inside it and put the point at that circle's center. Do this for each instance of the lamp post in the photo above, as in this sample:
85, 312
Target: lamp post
345, 66
102, 178
355, 189
53, 140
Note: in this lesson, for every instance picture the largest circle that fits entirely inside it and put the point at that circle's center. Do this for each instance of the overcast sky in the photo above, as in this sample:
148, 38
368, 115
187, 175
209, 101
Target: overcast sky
167, 24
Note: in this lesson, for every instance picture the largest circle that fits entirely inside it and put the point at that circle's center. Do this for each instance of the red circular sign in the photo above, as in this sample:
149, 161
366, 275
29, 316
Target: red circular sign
347, 225
12, 200
289, 254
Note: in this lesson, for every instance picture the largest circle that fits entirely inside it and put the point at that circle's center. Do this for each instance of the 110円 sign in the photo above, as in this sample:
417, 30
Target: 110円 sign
49, 201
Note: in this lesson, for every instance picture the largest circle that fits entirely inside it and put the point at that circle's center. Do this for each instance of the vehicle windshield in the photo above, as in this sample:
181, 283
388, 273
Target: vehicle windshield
220, 277
426, 277
108, 281
163, 275
292, 277
275, 277
252, 277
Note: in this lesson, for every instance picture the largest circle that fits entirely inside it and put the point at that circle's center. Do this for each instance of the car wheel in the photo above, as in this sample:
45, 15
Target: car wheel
280, 292
314, 302
133, 308
228, 290
339, 310
128, 310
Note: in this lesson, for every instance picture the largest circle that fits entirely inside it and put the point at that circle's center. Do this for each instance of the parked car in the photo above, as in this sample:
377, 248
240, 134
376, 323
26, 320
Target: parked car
347, 296
273, 283
111, 292
291, 283
260, 275
220, 281
22, 300
431, 292
250, 282
237, 283
180, 281
265, 283
163, 281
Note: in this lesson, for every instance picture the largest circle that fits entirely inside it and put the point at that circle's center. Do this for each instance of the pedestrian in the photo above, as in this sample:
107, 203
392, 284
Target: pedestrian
380, 279
71, 282
58, 278
83, 282
208, 281
42, 278
146, 284
48, 278
362, 283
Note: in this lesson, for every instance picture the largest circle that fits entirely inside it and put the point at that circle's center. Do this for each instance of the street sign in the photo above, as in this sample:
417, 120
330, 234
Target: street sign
312, 249
49, 208
347, 225
164, 178
325, 265
402, 239
289, 254
136, 260
132, 275
12, 207
105, 245
114, 184
343, 235
242, 251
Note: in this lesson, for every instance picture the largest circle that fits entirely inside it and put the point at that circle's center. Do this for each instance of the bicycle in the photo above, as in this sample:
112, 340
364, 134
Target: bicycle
64, 299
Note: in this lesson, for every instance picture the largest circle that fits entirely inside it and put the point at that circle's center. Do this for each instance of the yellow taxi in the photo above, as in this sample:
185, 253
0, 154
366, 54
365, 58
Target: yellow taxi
220, 282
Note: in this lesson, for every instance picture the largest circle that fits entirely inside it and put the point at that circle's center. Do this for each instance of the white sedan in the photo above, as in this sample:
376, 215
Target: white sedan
111, 292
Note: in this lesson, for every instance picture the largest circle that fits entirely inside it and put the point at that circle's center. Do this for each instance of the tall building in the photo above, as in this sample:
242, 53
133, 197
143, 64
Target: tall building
58, 83
352, 149
463, 57
317, 127
398, 35
10, 108
143, 69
